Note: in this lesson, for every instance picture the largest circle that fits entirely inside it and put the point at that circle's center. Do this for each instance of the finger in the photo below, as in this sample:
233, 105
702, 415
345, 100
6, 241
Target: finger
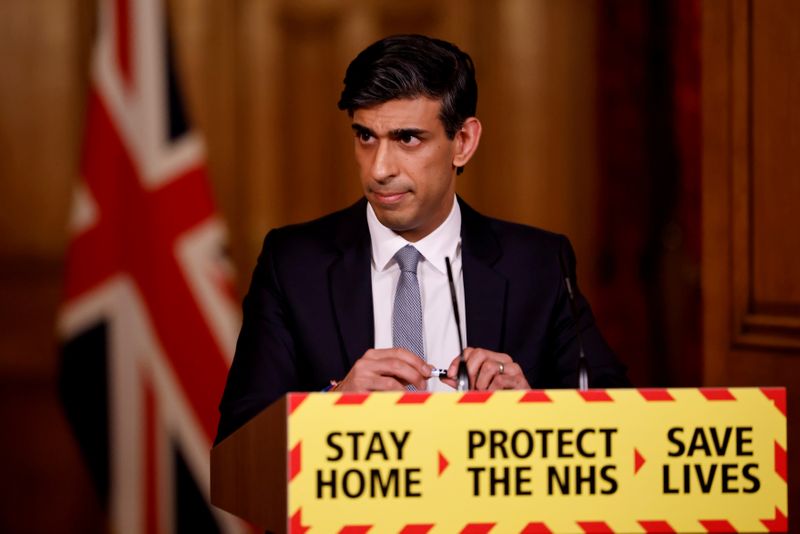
386, 383
517, 376
402, 354
505, 381
369, 368
475, 359
510, 369
501, 382
414, 360
449, 381
490, 354
422, 370
400, 370
452, 369
487, 372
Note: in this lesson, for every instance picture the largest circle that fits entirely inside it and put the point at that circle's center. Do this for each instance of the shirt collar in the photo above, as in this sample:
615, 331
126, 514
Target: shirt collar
445, 240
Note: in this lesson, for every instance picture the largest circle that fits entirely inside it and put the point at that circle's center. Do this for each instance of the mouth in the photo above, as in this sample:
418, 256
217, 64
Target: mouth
389, 198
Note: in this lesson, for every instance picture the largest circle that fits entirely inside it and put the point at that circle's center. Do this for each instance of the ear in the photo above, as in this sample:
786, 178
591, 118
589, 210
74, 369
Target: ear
467, 139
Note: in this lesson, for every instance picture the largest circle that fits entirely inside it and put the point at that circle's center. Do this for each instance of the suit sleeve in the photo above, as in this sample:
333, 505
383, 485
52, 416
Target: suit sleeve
605, 370
264, 365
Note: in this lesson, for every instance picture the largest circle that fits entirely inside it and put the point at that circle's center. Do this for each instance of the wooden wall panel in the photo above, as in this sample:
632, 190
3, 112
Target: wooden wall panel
765, 180
261, 79
775, 171
751, 296
537, 161
285, 156
42, 68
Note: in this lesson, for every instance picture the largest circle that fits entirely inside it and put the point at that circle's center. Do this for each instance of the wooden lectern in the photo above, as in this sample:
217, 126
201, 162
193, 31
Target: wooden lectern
646, 460
249, 471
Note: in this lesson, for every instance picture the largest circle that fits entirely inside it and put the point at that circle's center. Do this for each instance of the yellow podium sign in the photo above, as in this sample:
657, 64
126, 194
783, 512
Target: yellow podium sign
659, 460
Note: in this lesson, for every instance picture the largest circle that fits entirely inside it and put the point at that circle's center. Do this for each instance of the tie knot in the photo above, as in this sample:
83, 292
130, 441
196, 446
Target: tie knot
407, 258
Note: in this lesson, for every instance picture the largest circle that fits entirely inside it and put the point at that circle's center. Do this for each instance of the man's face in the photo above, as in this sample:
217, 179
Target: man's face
406, 164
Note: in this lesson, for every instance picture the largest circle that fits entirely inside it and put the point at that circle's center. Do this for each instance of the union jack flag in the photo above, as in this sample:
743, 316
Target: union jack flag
149, 321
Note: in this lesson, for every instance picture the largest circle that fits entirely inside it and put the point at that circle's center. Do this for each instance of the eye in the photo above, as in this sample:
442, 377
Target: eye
364, 137
409, 140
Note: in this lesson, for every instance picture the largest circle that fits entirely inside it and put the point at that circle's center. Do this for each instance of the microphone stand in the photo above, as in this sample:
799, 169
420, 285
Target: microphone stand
583, 366
462, 376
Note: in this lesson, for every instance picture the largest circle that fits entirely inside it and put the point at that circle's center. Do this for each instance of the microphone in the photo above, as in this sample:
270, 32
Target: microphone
462, 376
583, 366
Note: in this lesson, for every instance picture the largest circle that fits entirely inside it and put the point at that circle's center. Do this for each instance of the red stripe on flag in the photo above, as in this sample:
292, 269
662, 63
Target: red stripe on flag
595, 527
535, 395
352, 398
779, 524
355, 529
94, 255
156, 237
123, 47
414, 397
717, 394
475, 397
536, 528
477, 528
778, 396
416, 529
658, 394
295, 457
595, 395
717, 525
295, 400
780, 462
136, 235
657, 527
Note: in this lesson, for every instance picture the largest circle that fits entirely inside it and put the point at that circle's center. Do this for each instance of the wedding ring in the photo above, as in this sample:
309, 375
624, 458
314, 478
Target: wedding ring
502, 367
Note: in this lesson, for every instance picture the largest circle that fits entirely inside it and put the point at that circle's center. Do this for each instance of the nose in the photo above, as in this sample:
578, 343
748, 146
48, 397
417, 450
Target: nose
383, 162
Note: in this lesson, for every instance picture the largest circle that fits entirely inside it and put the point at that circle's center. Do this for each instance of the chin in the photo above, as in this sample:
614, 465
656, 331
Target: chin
394, 221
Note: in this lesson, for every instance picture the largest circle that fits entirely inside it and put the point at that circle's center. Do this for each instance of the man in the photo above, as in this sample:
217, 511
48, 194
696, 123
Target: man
360, 298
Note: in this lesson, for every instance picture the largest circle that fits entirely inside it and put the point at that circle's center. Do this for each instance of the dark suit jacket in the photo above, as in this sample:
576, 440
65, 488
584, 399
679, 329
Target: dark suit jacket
308, 313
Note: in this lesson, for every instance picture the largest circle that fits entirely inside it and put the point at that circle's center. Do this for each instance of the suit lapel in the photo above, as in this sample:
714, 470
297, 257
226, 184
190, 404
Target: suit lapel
351, 284
484, 288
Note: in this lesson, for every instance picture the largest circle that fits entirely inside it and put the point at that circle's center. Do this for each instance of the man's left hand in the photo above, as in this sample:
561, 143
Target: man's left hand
488, 371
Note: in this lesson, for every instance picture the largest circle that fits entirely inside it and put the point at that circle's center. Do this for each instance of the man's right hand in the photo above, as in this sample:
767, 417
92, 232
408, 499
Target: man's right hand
386, 370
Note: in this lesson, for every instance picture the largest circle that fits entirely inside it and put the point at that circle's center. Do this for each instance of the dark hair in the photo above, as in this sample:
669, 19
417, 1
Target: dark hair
409, 66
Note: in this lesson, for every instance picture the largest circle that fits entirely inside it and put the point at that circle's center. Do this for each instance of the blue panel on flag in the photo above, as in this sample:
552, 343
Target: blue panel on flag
83, 385
178, 122
192, 512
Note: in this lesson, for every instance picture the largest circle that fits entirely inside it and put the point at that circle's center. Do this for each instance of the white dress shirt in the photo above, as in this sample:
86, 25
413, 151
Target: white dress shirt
440, 337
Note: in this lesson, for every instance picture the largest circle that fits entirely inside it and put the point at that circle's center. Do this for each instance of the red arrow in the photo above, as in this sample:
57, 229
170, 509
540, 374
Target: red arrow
443, 463
638, 461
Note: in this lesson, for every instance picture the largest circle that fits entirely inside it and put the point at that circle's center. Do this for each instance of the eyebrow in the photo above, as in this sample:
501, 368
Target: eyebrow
393, 134
359, 129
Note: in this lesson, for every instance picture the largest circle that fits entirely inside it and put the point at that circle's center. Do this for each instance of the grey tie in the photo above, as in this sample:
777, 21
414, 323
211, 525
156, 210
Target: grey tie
407, 319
